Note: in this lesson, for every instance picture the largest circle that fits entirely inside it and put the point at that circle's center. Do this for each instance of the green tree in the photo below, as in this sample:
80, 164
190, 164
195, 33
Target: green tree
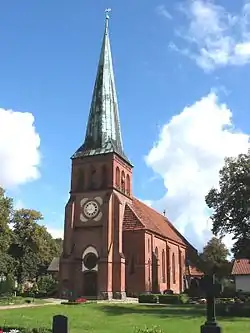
59, 243
33, 247
6, 235
47, 285
230, 203
214, 258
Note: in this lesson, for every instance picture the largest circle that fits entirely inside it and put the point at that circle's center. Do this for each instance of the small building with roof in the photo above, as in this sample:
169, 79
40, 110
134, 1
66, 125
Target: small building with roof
241, 274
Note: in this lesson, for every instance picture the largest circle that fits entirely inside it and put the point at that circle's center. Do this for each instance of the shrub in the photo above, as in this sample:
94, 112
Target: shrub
7, 286
228, 292
225, 300
173, 299
148, 298
169, 299
6, 299
243, 296
184, 298
233, 310
47, 286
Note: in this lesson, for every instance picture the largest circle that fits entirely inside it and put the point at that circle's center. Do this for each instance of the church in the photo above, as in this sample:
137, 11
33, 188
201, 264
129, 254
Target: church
114, 244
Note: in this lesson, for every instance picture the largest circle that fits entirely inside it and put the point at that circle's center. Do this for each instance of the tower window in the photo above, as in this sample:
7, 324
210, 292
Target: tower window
93, 178
128, 185
117, 178
123, 182
80, 181
104, 176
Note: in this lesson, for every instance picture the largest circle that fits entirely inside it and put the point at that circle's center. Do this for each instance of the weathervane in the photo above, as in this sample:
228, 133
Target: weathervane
107, 11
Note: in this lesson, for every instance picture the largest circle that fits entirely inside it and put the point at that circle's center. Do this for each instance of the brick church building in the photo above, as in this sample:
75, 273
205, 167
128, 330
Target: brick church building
114, 244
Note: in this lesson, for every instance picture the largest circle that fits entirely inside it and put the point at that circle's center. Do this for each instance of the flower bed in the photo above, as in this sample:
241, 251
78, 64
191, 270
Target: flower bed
77, 301
25, 330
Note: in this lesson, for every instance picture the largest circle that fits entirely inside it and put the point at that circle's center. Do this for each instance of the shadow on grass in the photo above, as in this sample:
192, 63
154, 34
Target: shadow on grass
25, 329
162, 311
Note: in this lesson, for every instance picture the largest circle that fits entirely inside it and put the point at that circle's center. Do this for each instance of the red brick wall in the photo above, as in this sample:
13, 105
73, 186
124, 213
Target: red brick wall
133, 248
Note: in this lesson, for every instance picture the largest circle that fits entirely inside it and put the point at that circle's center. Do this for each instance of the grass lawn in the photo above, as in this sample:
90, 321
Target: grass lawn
121, 318
18, 300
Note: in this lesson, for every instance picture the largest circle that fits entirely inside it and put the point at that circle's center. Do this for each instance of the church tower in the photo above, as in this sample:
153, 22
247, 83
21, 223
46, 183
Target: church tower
92, 263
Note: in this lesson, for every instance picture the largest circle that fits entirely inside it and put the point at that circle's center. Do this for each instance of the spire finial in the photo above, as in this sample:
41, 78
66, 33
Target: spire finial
107, 11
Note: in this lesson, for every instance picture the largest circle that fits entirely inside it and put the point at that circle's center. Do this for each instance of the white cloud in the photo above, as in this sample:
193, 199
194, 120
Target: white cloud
214, 37
56, 233
188, 155
19, 148
162, 10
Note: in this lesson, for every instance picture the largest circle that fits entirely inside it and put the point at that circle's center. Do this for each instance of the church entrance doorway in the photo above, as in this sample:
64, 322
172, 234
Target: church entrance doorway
90, 284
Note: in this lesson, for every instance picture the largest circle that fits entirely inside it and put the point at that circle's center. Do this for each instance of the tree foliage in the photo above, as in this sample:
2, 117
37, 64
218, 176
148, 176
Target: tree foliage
26, 248
33, 246
6, 209
230, 203
214, 258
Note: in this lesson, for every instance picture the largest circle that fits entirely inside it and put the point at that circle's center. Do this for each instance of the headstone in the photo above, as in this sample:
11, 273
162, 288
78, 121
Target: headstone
60, 324
212, 289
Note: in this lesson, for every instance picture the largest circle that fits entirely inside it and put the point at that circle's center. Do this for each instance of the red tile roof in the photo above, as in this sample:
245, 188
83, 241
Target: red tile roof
193, 271
241, 267
140, 216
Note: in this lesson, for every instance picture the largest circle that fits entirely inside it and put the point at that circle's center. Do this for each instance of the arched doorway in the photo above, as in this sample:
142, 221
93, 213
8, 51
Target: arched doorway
90, 283
90, 276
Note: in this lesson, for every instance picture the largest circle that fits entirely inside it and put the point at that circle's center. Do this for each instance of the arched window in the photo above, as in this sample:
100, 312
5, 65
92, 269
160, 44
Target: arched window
117, 178
90, 259
156, 252
149, 270
149, 245
173, 269
127, 185
123, 182
163, 266
104, 176
182, 262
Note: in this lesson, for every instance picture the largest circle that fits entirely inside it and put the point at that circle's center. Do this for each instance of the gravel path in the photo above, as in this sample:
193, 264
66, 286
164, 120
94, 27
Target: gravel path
31, 305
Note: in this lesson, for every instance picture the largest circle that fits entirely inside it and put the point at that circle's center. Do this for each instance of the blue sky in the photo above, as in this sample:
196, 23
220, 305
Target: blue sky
167, 56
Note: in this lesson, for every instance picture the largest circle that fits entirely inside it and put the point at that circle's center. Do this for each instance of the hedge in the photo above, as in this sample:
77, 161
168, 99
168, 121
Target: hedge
163, 299
148, 298
233, 310
173, 299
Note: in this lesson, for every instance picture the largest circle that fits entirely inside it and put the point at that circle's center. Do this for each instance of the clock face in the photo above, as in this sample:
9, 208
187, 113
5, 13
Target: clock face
91, 209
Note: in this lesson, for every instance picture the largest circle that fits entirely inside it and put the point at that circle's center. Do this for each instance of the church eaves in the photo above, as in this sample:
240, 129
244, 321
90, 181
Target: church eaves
103, 133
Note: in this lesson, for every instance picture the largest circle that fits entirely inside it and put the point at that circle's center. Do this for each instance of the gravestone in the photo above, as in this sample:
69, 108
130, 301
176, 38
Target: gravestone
212, 290
60, 324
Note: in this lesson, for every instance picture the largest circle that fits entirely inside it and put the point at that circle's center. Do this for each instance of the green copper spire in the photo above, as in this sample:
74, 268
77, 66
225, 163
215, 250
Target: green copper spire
103, 134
